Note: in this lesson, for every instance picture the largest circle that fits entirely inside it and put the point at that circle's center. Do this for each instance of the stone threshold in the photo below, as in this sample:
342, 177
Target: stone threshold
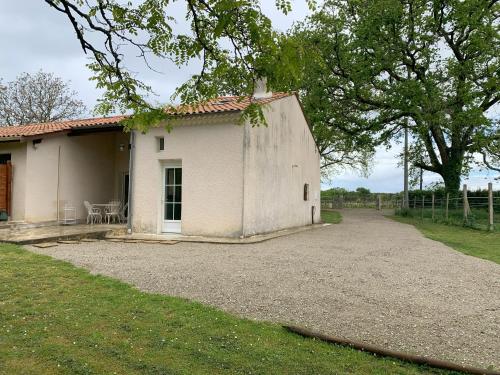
174, 238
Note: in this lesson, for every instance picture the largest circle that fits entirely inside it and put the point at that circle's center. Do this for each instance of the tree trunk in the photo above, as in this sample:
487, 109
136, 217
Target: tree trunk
451, 173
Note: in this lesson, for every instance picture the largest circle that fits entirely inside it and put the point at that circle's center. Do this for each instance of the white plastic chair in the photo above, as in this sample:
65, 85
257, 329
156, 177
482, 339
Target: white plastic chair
112, 212
93, 213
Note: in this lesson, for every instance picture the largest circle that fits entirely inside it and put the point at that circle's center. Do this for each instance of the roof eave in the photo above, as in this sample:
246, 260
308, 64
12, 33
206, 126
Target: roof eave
10, 139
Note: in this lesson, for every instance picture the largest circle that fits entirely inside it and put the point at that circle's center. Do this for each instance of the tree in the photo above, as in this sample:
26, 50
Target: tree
234, 41
339, 151
363, 191
39, 97
431, 66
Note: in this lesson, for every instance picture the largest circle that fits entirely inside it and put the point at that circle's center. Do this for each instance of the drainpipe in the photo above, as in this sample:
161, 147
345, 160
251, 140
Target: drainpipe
130, 181
245, 135
58, 191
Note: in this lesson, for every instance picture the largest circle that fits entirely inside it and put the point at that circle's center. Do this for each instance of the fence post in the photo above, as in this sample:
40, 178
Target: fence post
423, 206
466, 203
379, 202
414, 202
433, 206
490, 206
447, 205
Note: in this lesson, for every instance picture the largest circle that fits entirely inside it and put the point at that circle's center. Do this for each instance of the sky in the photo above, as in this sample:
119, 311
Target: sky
33, 36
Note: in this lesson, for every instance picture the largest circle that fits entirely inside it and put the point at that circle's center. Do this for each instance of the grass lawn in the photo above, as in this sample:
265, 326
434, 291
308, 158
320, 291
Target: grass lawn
332, 217
478, 243
59, 319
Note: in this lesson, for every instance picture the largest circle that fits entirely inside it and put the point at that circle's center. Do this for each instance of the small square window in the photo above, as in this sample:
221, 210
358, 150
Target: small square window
160, 142
306, 192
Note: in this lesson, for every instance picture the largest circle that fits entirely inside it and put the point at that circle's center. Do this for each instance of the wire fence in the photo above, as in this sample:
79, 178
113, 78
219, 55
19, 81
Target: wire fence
353, 202
475, 209
479, 212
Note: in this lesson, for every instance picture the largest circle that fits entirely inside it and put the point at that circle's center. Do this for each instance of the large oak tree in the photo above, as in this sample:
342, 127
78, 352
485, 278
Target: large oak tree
429, 65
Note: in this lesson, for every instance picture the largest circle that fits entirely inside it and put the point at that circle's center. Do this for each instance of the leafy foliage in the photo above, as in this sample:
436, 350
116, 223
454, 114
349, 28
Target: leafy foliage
339, 150
431, 66
233, 39
40, 97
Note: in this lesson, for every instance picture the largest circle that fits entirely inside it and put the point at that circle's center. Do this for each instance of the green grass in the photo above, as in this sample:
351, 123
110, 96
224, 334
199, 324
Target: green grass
478, 243
331, 217
59, 319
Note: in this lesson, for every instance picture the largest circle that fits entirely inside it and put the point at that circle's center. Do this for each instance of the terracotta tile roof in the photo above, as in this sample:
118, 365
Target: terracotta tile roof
31, 130
228, 104
218, 105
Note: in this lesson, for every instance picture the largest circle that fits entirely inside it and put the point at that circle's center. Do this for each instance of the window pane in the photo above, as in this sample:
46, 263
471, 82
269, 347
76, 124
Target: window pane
169, 194
169, 211
178, 176
177, 211
169, 176
178, 193
161, 143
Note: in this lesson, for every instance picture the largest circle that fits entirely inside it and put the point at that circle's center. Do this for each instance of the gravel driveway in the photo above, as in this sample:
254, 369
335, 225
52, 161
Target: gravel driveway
368, 278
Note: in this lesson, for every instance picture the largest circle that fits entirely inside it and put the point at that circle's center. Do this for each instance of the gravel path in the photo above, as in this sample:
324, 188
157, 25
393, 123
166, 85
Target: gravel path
368, 278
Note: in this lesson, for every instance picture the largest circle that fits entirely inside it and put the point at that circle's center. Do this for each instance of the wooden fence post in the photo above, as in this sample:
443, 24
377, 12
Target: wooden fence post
379, 202
465, 203
423, 206
433, 196
447, 205
490, 206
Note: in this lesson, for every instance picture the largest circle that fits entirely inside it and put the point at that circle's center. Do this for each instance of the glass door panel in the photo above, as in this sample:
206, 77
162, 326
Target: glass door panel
172, 210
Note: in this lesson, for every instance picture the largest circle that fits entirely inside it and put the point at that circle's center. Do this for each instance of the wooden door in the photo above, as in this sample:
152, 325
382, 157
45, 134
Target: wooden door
5, 187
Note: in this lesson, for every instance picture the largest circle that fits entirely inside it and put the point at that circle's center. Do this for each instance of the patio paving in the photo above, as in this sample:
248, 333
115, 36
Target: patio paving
31, 235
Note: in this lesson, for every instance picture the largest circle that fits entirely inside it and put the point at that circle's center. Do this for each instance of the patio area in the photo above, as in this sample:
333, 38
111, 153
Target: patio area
32, 235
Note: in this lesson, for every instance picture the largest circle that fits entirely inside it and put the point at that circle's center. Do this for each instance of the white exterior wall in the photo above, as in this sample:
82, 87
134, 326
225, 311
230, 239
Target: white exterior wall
121, 164
210, 151
87, 172
279, 160
17, 152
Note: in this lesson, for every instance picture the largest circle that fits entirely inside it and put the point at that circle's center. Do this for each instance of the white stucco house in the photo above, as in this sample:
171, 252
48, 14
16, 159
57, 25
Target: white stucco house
208, 176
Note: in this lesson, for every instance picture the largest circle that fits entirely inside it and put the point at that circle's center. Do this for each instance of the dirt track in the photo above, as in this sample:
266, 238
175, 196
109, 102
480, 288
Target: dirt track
368, 278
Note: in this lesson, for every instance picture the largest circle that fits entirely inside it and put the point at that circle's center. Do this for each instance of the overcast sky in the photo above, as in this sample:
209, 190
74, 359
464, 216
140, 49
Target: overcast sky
33, 36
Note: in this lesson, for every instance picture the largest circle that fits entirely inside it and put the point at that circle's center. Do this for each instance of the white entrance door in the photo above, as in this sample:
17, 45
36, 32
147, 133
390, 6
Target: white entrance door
172, 199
